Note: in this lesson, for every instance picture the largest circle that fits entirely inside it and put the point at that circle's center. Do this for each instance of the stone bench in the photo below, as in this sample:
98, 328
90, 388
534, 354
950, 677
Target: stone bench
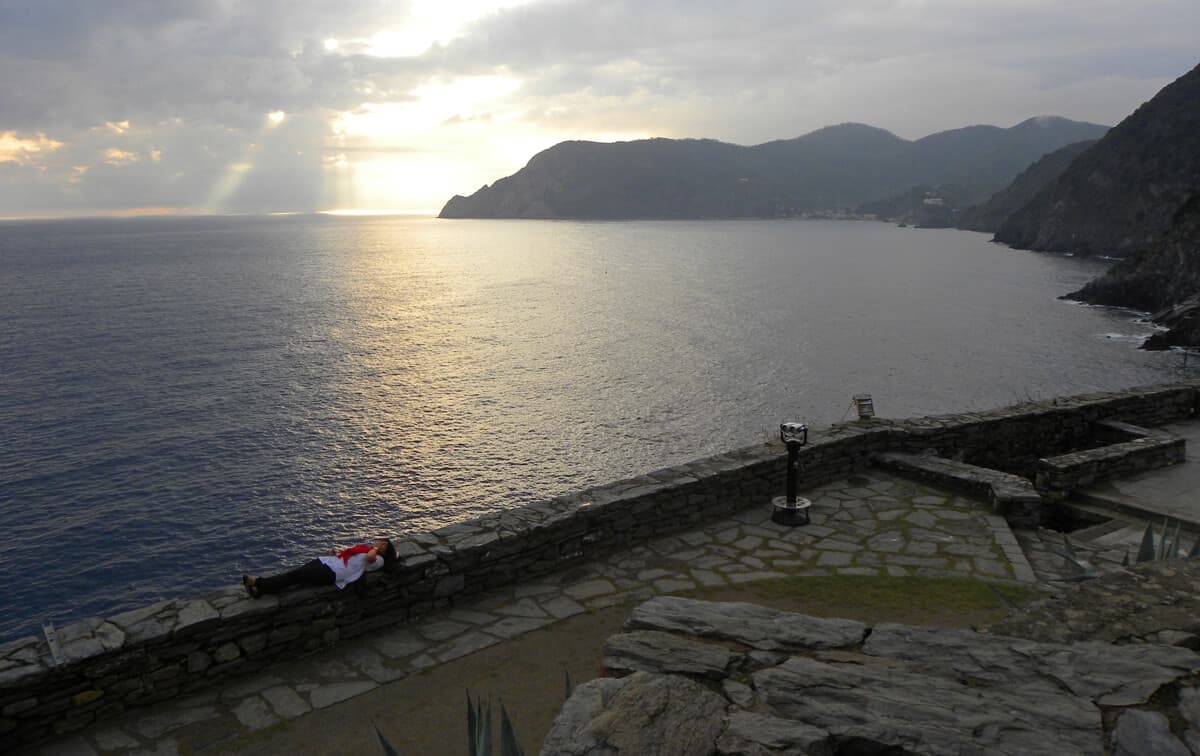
1011, 496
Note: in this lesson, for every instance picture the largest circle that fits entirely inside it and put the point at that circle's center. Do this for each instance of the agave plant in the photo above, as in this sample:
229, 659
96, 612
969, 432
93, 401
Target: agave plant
1078, 568
479, 729
1165, 548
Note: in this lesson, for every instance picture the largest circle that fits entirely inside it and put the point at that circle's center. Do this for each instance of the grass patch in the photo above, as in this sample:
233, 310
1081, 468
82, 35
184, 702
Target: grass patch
947, 602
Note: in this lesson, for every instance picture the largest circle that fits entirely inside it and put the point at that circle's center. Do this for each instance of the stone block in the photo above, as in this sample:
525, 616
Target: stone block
123, 687
86, 697
286, 702
1145, 732
163, 674
218, 670
285, 634
198, 661
25, 672
17, 707
328, 695
449, 585
253, 643
655, 651
196, 616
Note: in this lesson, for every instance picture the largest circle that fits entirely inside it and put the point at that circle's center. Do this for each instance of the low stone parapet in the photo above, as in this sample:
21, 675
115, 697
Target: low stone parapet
148, 654
1142, 449
1010, 496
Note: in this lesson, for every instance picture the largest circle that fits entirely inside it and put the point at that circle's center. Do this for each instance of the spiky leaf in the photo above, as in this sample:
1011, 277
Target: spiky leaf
1146, 550
483, 738
1172, 551
471, 726
508, 739
1067, 546
388, 750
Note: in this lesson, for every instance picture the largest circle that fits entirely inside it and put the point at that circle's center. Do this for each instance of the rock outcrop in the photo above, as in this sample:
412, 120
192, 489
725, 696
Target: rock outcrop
776, 682
1182, 322
1163, 278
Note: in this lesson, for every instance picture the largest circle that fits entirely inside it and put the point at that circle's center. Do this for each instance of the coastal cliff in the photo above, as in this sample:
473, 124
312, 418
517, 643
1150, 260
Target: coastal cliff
1164, 278
1135, 193
1120, 195
989, 215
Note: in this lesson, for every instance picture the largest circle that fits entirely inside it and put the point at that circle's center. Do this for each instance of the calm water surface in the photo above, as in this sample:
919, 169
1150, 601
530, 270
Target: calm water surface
183, 400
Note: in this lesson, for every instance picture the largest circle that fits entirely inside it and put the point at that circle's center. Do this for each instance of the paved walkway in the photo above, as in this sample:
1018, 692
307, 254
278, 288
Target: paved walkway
871, 524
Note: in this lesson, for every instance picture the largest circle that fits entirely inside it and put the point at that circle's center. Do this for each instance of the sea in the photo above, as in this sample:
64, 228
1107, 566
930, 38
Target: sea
186, 399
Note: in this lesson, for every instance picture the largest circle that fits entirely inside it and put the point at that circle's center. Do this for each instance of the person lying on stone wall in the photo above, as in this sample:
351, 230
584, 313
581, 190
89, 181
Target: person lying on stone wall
339, 568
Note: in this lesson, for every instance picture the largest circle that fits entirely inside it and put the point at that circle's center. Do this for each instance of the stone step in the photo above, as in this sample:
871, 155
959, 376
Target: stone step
1128, 509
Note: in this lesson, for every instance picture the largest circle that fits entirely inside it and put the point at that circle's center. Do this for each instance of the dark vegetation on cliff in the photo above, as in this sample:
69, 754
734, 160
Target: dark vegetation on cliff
989, 215
835, 168
1134, 193
1163, 277
1121, 194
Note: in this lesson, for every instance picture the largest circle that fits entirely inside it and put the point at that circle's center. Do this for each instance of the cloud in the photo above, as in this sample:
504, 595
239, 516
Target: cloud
151, 103
26, 151
127, 103
125, 60
715, 69
118, 158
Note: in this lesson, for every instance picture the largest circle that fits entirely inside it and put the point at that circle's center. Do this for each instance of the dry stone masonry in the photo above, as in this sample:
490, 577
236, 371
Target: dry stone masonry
112, 665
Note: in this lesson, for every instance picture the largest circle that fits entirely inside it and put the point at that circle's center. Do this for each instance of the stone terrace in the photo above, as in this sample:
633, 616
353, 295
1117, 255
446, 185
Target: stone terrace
179, 648
868, 524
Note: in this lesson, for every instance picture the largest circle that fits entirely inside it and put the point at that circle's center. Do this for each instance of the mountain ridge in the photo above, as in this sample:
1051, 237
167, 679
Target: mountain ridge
988, 216
1122, 193
836, 167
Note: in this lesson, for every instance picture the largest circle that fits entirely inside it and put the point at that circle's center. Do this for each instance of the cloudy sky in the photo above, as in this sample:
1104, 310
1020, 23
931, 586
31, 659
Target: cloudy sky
117, 106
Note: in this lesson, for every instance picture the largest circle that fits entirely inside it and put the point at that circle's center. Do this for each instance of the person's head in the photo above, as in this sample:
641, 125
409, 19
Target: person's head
384, 546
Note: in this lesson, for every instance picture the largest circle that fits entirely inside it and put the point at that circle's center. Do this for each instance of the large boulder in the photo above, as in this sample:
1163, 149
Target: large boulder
708, 678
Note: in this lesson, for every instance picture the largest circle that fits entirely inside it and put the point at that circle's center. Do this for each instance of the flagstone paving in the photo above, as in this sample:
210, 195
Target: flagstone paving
870, 524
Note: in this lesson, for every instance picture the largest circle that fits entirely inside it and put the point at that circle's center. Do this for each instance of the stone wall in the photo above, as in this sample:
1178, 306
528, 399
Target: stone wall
109, 665
1133, 450
1010, 496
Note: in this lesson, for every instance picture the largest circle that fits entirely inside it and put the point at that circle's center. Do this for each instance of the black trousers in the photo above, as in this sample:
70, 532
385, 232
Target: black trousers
309, 573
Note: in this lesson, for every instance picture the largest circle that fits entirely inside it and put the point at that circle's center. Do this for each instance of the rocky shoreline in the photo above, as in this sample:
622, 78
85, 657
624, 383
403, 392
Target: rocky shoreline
1162, 279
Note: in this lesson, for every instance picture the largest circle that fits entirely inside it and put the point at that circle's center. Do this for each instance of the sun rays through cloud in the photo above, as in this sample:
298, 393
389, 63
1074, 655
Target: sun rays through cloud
221, 106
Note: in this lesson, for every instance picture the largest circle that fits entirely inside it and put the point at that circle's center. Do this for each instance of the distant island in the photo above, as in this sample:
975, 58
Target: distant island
832, 171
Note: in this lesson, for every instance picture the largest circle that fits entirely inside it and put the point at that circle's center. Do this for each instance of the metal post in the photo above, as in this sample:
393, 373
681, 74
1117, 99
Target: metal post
793, 470
790, 509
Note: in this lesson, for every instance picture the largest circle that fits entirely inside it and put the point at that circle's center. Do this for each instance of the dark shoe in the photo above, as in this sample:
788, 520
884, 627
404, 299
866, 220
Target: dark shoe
251, 588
